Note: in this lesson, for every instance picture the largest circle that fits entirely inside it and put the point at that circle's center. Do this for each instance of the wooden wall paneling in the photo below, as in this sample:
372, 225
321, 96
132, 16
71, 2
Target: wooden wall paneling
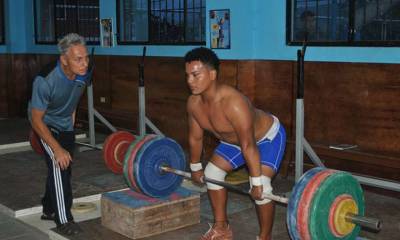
363, 163
354, 104
45, 59
330, 103
101, 82
379, 115
4, 76
124, 82
274, 90
166, 95
228, 72
246, 77
23, 70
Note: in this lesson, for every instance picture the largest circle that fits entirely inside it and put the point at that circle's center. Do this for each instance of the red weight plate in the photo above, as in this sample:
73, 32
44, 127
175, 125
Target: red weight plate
114, 150
306, 201
131, 160
35, 142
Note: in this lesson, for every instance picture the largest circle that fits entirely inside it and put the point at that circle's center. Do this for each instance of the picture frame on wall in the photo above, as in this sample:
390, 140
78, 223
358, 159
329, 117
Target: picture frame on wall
220, 29
106, 32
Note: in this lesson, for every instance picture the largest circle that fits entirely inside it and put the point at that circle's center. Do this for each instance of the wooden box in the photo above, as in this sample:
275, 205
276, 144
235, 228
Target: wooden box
137, 216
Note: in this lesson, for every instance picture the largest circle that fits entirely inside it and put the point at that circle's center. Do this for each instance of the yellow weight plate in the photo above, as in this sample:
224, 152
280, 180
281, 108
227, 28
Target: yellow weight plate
343, 208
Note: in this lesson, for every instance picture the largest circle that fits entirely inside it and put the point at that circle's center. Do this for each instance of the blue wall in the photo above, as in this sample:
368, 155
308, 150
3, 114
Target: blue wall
271, 36
257, 32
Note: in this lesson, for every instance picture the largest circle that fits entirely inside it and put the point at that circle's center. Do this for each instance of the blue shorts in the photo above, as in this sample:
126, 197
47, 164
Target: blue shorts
271, 151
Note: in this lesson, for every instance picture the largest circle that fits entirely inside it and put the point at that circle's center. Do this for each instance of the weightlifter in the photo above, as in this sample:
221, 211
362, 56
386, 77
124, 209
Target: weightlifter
247, 136
51, 111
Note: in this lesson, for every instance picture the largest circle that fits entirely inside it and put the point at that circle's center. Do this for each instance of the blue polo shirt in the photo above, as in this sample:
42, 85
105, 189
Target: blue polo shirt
58, 97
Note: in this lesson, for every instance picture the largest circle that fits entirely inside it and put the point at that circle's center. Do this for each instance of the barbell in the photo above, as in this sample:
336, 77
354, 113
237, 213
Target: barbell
324, 203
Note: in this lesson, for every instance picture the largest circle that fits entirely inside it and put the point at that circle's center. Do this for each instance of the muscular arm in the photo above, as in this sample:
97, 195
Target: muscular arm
195, 137
195, 143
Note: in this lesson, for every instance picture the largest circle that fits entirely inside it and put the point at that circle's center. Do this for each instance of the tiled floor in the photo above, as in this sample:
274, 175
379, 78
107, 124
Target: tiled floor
12, 228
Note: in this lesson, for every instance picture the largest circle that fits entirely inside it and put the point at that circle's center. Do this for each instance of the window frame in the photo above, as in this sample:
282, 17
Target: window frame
3, 25
350, 42
149, 42
38, 42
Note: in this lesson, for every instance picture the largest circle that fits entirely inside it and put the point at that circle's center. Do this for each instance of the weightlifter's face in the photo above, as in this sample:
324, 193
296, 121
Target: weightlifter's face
199, 77
75, 61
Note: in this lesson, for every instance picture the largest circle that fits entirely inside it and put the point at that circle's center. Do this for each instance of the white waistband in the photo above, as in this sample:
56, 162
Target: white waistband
273, 130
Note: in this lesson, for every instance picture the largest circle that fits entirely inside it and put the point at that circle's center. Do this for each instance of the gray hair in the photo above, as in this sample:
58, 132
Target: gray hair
69, 40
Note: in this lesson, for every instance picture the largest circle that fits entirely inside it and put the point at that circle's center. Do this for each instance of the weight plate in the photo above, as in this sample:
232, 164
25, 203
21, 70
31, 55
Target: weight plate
336, 184
130, 159
114, 150
83, 207
291, 212
148, 174
305, 202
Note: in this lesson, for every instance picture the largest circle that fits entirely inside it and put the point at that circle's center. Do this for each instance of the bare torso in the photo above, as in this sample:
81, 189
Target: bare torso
213, 116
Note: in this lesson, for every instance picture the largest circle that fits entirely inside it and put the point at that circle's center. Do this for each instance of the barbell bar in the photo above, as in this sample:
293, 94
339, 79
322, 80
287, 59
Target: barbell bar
363, 221
184, 174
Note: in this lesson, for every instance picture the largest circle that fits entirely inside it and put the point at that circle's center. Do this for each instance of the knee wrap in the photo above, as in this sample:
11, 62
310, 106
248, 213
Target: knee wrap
215, 173
267, 189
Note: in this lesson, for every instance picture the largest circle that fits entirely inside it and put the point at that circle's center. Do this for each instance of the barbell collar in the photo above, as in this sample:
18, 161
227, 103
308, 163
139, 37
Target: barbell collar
371, 223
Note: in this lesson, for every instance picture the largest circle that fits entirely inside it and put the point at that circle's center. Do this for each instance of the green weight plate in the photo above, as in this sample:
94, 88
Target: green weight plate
335, 185
128, 159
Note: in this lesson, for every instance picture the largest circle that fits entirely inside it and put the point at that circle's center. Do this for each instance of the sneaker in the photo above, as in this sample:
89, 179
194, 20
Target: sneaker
69, 228
217, 234
49, 217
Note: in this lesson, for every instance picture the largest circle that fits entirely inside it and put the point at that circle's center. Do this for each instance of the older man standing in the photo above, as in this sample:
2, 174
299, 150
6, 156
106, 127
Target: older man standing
51, 111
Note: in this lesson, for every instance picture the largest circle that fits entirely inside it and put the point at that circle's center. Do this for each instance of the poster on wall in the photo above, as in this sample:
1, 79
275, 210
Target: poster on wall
220, 31
106, 32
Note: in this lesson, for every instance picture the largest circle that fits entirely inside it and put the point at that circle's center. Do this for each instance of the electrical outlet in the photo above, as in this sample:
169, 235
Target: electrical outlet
102, 99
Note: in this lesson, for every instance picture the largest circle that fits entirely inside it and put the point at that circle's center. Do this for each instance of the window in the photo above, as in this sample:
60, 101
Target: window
161, 21
2, 14
56, 18
344, 22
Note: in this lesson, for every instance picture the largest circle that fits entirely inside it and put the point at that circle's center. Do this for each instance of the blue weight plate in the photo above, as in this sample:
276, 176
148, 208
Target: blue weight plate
151, 156
291, 212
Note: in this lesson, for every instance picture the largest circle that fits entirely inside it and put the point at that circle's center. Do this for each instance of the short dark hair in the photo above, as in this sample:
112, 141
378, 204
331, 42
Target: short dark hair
205, 56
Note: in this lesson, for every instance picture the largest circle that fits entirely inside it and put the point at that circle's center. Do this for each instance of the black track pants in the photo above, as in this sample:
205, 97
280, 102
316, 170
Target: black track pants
58, 195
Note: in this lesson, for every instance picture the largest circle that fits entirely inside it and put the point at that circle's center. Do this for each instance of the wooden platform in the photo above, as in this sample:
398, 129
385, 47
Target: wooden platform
137, 216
